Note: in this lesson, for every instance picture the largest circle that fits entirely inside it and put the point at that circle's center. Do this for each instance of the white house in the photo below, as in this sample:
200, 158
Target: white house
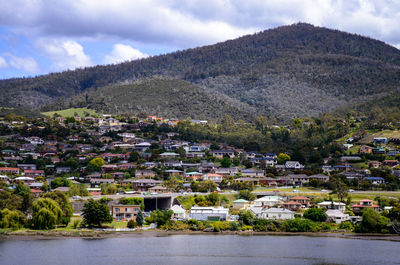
268, 201
293, 165
209, 213
337, 216
277, 213
179, 212
332, 205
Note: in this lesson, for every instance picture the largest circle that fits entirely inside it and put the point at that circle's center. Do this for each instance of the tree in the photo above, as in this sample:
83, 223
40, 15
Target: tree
373, 222
10, 201
246, 217
27, 197
11, 219
282, 158
134, 156
108, 188
95, 164
131, 224
226, 162
78, 190
315, 214
236, 162
95, 213
46, 213
160, 217
246, 195
64, 204
140, 218
60, 182
339, 188
132, 201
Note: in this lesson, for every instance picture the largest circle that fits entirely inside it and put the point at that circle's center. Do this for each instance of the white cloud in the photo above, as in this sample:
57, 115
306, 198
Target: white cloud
65, 54
3, 63
122, 53
27, 64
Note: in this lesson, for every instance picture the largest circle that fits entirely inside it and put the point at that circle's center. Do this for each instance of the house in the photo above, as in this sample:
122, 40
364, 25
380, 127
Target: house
34, 140
36, 192
340, 206
365, 149
223, 153
292, 205
34, 173
96, 183
209, 213
9, 170
277, 213
174, 172
337, 216
142, 147
391, 163
320, 177
256, 210
61, 170
4, 179
212, 177
375, 164
268, 201
350, 158
293, 165
157, 189
375, 180
27, 166
193, 175
379, 150
240, 204
124, 213
304, 201
253, 181
179, 212
169, 155
228, 171
145, 173
366, 203
380, 140
298, 179
252, 173
24, 180
142, 184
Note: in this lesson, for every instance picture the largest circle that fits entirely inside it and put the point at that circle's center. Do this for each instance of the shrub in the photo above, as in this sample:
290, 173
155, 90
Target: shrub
347, 226
131, 224
11, 219
315, 214
299, 225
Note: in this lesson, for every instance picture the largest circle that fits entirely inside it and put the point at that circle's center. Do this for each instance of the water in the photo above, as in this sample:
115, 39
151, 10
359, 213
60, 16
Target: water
199, 249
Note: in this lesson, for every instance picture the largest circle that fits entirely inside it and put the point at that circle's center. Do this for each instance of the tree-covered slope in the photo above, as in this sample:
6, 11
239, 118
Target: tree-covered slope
290, 71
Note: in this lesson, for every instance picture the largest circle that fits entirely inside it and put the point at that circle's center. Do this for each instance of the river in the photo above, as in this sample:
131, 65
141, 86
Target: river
198, 249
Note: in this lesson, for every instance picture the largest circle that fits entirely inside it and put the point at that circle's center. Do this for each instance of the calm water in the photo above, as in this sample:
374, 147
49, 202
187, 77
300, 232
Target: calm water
200, 249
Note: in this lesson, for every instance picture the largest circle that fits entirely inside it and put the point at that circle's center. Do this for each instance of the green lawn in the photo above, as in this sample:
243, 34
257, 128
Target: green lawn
70, 112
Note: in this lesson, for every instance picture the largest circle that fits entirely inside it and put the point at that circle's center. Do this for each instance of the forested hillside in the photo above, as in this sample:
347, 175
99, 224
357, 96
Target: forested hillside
287, 72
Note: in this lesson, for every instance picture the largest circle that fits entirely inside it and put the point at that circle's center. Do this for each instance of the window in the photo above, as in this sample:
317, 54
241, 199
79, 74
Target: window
117, 209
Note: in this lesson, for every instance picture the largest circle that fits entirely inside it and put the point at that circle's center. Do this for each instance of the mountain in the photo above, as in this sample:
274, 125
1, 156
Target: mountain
286, 72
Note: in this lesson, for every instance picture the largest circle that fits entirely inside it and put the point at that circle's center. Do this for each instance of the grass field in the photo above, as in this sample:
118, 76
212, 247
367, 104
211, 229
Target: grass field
385, 133
71, 112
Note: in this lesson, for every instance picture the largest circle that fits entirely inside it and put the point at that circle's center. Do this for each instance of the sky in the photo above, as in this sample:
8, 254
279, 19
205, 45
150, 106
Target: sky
42, 36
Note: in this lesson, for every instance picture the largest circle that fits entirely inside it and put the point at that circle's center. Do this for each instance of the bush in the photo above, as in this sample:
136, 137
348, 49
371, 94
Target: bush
76, 224
299, 225
315, 214
132, 201
11, 219
346, 226
373, 222
131, 224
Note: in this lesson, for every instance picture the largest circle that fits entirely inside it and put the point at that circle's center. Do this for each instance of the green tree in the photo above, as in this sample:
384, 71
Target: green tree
134, 156
27, 197
339, 188
140, 218
236, 162
11, 219
282, 158
315, 214
226, 162
246, 217
60, 182
62, 199
246, 195
132, 201
46, 214
160, 217
373, 222
108, 188
95, 164
95, 213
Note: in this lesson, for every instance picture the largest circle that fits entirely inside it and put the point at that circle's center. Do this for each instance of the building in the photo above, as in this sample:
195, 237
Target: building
340, 206
124, 213
357, 208
268, 201
337, 216
240, 204
213, 177
277, 213
293, 165
223, 153
179, 212
209, 213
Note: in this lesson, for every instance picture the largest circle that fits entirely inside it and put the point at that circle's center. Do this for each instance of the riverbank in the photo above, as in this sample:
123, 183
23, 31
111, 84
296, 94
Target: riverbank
99, 234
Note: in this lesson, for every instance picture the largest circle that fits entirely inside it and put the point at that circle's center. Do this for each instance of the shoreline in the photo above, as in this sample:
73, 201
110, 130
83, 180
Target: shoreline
93, 234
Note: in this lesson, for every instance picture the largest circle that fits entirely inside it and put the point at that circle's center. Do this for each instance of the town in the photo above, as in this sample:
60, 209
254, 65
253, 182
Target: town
142, 171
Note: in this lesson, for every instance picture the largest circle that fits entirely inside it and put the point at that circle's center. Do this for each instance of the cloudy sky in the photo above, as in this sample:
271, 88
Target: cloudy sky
42, 36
